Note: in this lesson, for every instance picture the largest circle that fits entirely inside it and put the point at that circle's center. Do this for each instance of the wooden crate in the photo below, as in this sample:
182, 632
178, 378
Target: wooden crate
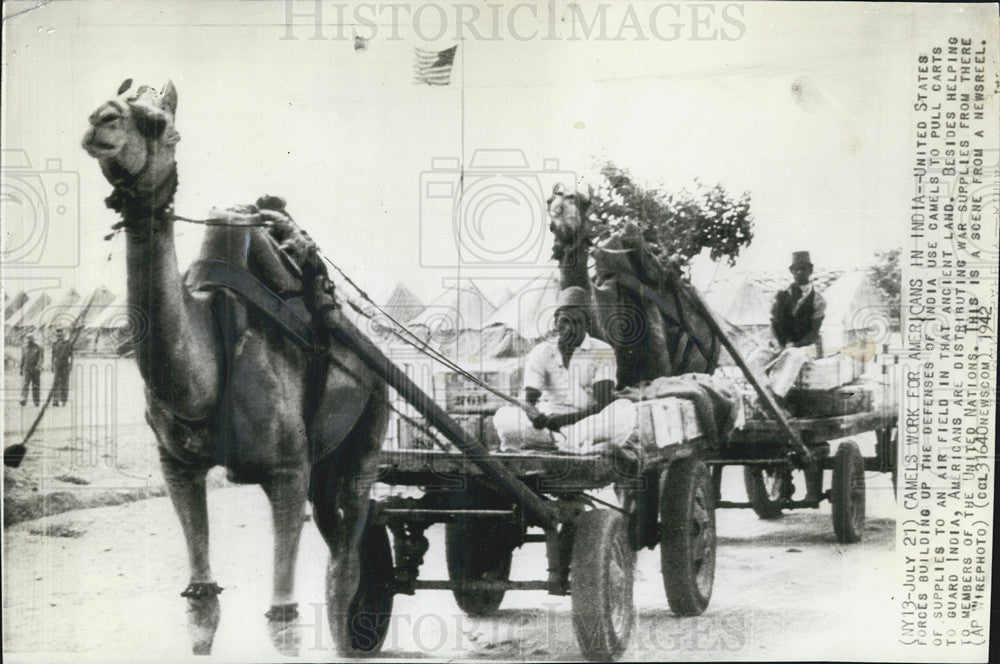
844, 400
666, 421
463, 396
476, 426
827, 373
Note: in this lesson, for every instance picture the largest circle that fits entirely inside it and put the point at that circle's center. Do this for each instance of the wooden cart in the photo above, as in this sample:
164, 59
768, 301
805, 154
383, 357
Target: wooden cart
761, 449
493, 503
590, 543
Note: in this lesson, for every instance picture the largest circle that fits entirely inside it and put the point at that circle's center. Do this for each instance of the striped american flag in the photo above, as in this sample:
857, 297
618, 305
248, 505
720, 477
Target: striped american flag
434, 67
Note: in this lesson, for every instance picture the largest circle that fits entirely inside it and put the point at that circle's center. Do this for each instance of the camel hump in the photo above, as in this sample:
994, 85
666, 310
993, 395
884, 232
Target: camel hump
274, 254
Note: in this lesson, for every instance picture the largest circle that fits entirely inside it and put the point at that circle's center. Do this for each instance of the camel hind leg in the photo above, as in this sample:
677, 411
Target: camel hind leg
360, 572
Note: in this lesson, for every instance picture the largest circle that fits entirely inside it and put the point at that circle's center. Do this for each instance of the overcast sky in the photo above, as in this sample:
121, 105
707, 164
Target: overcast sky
807, 110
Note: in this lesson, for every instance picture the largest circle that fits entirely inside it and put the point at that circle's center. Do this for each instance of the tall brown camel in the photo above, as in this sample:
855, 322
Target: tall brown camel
296, 422
639, 308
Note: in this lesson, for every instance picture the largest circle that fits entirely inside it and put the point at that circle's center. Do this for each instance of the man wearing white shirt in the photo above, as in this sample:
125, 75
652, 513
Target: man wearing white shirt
570, 379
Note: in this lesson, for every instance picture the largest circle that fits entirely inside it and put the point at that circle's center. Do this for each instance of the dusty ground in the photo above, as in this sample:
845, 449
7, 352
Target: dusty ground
104, 583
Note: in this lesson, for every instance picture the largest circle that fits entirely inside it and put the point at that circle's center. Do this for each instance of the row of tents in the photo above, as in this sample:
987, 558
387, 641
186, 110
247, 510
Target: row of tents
105, 324
462, 322
462, 313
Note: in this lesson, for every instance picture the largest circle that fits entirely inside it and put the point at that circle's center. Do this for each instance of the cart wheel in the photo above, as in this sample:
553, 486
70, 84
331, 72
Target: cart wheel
764, 490
687, 536
848, 493
362, 631
601, 576
477, 552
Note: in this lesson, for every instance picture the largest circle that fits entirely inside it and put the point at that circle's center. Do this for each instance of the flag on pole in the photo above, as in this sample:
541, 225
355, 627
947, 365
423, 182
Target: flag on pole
360, 43
434, 67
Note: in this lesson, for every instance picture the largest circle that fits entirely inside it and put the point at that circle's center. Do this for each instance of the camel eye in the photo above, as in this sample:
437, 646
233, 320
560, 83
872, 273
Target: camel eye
108, 116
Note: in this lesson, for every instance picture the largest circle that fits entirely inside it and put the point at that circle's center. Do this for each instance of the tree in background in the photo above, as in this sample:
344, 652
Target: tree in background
887, 275
676, 226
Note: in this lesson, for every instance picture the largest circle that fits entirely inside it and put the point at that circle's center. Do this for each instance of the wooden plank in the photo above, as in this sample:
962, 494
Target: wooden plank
818, 429
545, 470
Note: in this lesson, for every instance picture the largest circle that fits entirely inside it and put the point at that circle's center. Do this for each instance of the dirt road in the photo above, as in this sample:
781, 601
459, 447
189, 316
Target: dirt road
105, 583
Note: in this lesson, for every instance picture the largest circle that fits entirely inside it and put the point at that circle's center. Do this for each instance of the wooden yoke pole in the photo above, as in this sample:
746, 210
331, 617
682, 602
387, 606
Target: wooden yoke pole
799, 450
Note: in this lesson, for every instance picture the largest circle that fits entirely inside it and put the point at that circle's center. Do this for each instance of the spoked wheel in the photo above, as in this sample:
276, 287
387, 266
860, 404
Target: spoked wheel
767, 489
478, 551
687, 536
848, 493
601, 576
362, 630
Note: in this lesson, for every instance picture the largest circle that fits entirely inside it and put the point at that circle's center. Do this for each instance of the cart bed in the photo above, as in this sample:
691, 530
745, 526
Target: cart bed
814, 431
541, 470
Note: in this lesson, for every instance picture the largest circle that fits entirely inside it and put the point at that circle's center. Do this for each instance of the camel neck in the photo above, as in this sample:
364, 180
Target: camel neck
573, 265
174, 340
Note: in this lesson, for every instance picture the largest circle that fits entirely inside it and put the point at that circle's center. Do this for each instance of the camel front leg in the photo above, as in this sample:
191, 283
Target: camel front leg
186, 485
286, 491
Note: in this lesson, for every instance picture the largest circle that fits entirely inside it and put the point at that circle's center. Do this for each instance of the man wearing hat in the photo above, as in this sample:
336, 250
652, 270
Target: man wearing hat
796, 318
798, 310
570, 380
31, 369
62, 364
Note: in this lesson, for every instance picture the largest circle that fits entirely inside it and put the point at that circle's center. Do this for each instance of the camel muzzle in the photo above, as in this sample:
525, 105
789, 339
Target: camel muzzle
99, 149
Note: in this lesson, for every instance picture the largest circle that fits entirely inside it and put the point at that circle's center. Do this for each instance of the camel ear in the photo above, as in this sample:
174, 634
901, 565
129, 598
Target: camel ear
169, 96
559, 189
584, 192
126, 84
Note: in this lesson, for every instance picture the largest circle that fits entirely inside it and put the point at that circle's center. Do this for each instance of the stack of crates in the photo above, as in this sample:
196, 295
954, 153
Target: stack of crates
470, 405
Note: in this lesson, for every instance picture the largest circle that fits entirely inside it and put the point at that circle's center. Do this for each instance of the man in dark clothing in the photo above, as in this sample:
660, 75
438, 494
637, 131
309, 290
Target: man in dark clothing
31, 369
798, 311
62, 364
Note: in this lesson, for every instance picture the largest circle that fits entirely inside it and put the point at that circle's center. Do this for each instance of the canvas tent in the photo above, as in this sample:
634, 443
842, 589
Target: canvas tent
24, 319
49, 309
403, 305
459, 307
853, 304
13, 304
529, 311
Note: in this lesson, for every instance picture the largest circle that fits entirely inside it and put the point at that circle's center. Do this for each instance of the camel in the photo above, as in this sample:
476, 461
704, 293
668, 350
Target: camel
654, 331
296, 422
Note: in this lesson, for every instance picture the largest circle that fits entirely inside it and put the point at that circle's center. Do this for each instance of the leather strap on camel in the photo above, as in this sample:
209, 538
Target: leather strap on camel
290, 315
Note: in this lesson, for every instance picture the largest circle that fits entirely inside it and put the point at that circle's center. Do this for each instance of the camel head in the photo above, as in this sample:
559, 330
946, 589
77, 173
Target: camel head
568, 212
133, 138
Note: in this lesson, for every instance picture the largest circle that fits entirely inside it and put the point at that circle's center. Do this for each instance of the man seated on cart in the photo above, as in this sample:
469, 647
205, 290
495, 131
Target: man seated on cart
570, 380
796, 318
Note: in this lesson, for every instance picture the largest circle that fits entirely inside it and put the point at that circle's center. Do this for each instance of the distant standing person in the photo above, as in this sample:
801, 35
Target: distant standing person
62, 364
31, 369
